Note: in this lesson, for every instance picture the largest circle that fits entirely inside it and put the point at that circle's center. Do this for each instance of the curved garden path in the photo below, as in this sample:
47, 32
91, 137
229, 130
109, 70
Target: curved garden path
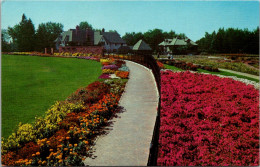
128, 139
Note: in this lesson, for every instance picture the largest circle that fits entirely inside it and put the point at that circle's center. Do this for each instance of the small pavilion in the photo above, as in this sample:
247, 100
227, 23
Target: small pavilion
170, 44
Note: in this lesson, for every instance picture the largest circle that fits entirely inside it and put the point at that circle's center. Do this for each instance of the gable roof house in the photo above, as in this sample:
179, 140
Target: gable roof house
167, 44
111, 41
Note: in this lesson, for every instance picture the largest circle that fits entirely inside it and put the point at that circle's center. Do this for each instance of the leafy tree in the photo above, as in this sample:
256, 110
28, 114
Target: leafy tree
112, 31
23, 35
132, 38
46, 34
153, 38
84, 25
5, 41
169, 35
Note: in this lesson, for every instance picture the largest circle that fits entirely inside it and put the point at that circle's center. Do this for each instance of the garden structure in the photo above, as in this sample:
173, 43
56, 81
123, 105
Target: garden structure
171, 45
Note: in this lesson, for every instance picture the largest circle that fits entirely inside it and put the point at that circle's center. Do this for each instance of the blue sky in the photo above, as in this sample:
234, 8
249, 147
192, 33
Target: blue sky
193, 18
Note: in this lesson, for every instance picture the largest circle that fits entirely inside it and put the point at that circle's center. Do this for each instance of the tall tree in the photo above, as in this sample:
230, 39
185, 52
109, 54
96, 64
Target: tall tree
132, 38
46, 34
153, 38
23, 34
84, 25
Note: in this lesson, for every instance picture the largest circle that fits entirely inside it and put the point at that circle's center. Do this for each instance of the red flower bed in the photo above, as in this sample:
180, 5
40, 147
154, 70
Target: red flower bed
207, 120
161, 66
122, 74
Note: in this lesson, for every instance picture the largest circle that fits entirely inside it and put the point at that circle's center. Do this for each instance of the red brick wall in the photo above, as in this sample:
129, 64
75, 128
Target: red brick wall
82, 49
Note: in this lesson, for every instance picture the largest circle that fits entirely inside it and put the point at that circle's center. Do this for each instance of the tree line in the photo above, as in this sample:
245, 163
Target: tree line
230, 41
24, 38
152, 37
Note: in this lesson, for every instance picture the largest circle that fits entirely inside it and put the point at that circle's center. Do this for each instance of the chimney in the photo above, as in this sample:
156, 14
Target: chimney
77, 29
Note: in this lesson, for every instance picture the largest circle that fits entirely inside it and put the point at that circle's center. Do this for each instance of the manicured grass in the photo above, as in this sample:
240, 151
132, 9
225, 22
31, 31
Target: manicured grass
30, 85
228, 74
209, 72
172, 67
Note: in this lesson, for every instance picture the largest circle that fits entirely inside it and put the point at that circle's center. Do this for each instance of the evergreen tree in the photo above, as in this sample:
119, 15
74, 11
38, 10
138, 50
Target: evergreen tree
23, 35
230, 41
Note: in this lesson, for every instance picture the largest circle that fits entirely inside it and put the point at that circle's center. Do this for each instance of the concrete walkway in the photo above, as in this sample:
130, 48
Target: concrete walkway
128, 140
240, 73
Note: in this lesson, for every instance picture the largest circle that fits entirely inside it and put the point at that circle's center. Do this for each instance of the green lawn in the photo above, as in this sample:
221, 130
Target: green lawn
209, 72
172, 67
228, 74
30, 85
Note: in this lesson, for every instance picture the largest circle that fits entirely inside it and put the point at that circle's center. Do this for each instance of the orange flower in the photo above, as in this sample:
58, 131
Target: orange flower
75, 145
67, 138
38, 153
86, 142
33, 155
60, 161
39, 162
70, 145
65, 149
59, 157
44, 162
51, 150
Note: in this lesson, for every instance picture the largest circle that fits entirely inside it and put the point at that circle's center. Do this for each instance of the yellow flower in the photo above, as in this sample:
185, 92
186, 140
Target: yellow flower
75, 145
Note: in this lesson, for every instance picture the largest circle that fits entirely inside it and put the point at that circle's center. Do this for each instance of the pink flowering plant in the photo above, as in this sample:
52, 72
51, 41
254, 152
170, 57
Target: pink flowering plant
207, 121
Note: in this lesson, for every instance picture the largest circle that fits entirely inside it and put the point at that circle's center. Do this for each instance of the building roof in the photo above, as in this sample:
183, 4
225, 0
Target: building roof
97, 37
166, 42
142, 46
78, 35
177, 42
112, 37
